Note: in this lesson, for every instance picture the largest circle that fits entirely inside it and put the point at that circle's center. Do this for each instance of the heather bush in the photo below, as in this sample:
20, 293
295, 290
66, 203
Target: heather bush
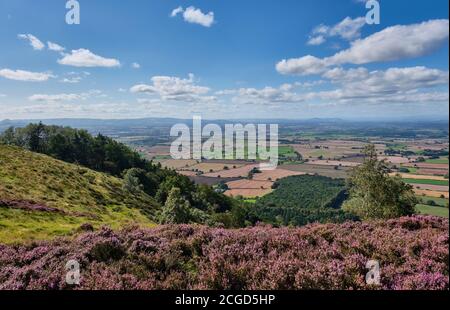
413, 253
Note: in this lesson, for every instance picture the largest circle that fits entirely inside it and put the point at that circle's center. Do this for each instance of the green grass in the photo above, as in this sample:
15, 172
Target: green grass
429, 210
438, 201
441, 160
429, 182
85, 196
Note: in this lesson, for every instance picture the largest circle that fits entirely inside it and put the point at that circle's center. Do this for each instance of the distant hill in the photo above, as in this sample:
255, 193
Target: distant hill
42, 197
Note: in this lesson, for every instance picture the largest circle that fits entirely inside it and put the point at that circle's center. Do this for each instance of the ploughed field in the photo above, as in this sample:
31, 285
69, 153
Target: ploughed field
412, 253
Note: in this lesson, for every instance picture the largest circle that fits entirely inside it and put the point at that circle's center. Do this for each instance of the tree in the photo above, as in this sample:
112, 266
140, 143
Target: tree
131, 182
374, 194
176, 209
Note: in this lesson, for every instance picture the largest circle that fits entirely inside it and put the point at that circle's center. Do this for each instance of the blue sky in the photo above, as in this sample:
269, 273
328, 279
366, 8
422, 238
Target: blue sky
224, 59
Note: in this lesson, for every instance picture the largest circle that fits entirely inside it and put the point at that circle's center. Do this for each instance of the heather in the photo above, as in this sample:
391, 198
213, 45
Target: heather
413, 253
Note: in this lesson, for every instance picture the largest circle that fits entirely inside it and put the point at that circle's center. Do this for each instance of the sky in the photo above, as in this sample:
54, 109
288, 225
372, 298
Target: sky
224, 59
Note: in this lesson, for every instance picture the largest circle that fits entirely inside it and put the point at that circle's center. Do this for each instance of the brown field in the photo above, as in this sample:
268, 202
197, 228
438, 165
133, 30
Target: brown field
248, 193
249, 184
208, 167
427, 165
276, 174
178, 163
418, 176
438, 188
395, 159
422, 192
333, 149
187, 173
327, 171
333, 163
233, 173
158, 150
432, 171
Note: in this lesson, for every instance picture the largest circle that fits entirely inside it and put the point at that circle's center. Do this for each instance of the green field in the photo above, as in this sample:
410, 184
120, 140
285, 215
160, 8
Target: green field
429, 182
442, 160
438, 201
429, 210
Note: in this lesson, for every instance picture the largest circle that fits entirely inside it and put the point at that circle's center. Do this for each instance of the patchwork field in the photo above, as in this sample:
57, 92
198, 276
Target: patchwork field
260, 185
333, 163
431, 193
327, 171
419, 176
233, 173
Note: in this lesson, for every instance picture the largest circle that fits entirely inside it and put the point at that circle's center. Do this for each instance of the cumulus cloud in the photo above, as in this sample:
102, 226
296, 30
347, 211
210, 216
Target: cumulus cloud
135, 65
398, 82
174, 89
55, 47
392, 43
26, 76
317, 40
354, 86
34, 42
195, 16
305, 65
94, 93
54, 98
347, 29
85, 58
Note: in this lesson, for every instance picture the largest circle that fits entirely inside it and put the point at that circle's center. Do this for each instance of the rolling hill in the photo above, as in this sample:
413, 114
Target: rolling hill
41, 197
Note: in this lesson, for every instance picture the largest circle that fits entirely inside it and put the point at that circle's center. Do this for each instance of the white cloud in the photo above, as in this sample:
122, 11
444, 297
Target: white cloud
176, 11
2, 95
135, 65
175, 89
85, 58
361, 83
94, 93
54, 98
392, 43
195, 16
55, 47
396, 42
347, 29
316, 40
72, 80
27, 76
302, 66
34, 42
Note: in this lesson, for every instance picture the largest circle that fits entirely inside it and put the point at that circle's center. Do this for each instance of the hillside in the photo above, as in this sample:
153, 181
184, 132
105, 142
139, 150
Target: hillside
412, 252
41, 197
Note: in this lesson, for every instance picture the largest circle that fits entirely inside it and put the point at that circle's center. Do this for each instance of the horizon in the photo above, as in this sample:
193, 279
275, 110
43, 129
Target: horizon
182, 58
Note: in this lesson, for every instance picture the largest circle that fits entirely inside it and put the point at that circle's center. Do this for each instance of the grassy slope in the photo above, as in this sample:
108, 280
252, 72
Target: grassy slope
84, 195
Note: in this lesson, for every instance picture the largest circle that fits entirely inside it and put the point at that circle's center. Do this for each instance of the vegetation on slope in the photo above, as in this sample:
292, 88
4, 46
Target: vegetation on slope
41, 197
412, 252
139, 175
